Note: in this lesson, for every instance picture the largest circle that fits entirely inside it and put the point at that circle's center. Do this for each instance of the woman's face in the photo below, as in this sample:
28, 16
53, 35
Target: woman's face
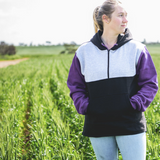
118, 21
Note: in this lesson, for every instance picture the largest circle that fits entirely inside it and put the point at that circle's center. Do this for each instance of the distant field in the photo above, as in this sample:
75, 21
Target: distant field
154, 49
50, 50
38, 50
34, 51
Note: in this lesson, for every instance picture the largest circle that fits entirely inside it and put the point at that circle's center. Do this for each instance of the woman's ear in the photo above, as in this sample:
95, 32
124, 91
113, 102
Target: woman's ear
105, 18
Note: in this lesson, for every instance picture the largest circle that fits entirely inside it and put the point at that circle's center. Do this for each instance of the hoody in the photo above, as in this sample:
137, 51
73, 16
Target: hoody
112, 87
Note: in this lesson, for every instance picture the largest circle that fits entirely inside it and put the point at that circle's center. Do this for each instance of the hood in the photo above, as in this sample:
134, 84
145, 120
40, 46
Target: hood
122, 39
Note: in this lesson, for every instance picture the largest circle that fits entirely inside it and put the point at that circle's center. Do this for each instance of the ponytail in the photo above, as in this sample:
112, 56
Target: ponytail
95, 15
107, 8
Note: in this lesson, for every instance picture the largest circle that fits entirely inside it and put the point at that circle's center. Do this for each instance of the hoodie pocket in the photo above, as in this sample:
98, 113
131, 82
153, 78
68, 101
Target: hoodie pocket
109, 105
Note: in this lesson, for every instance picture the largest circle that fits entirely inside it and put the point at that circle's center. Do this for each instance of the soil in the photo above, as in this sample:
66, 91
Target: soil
11, 62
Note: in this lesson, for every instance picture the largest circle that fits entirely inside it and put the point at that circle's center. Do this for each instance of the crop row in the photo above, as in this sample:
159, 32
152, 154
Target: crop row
38, 119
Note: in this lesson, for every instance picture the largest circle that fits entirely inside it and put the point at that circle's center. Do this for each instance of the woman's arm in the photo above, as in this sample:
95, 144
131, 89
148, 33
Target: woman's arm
77, 86
147, 81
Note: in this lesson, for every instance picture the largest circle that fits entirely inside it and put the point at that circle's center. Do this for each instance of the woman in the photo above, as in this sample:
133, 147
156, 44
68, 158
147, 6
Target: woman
112, 81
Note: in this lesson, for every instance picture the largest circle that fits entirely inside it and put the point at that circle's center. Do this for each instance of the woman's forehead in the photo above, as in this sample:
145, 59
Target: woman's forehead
120, 9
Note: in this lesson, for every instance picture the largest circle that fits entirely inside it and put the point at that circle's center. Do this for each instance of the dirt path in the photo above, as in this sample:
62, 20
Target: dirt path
11, 62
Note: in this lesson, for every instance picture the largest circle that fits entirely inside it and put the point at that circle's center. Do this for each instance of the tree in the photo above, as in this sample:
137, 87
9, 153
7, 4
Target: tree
6, 49
144, 41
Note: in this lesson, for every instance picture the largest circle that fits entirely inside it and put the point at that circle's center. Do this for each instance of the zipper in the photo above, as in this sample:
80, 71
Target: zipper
108, 59
108, 64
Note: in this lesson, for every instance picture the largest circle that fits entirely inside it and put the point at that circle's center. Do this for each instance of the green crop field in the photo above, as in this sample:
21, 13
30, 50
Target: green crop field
38, 120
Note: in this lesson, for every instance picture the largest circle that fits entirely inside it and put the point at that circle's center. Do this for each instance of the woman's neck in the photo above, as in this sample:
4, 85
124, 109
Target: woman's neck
109, 39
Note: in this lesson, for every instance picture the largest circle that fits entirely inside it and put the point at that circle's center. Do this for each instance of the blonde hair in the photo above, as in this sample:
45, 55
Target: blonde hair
107, 8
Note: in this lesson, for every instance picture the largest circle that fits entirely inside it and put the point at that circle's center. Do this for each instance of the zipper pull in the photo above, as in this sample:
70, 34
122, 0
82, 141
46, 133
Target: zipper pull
104, 45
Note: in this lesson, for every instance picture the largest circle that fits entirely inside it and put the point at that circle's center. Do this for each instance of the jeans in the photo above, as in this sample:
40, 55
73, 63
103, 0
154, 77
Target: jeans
132, 147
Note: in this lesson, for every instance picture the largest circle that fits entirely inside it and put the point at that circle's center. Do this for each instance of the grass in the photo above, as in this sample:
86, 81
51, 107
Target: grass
38, 50
154, 48
37, 117
10, 57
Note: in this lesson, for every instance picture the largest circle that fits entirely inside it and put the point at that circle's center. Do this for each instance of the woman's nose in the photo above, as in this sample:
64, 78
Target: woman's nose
125, 20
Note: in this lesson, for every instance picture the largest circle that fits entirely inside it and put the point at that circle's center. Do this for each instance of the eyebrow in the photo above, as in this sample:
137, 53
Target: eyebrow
122, 12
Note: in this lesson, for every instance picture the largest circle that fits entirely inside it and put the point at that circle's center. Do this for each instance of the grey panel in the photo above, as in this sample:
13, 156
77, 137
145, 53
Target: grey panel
122, 62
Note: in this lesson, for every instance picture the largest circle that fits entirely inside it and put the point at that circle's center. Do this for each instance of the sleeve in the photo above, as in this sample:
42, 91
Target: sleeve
77, 86
147, 82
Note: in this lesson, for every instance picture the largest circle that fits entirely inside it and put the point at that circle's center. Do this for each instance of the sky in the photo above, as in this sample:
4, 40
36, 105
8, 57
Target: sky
64, 21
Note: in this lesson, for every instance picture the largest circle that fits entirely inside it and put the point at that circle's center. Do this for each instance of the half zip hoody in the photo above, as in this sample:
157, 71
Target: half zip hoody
112, 88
